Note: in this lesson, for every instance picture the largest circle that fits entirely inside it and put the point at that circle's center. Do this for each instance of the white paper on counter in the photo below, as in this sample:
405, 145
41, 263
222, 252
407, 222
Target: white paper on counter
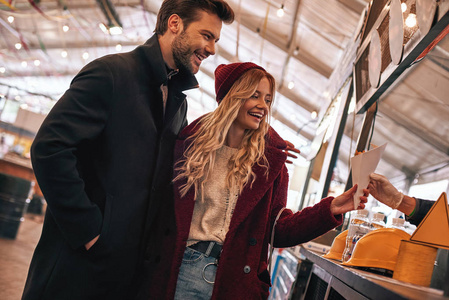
362, 166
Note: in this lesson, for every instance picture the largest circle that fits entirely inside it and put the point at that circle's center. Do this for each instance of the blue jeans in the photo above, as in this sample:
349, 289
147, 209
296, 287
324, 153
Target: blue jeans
195, 269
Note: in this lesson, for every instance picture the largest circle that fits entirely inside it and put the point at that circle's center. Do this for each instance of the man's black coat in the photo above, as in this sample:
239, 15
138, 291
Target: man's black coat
103, 159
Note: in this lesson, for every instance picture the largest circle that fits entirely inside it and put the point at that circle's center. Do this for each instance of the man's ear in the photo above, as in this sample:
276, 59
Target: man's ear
175, 24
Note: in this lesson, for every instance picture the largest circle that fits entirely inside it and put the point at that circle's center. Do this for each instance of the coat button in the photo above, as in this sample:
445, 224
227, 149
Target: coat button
247, 269
252, 241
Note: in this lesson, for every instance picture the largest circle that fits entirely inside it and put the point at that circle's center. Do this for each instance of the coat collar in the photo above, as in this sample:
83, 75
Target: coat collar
184, 80
250, 196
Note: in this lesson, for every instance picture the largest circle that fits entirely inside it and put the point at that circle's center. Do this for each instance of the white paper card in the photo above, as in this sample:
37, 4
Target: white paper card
362, 166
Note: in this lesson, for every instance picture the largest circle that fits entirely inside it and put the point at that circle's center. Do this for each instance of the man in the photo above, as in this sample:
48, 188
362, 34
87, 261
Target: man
103, 158
415, 210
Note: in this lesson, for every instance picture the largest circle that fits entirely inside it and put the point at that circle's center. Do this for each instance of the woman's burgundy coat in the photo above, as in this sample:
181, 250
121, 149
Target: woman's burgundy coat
242, 270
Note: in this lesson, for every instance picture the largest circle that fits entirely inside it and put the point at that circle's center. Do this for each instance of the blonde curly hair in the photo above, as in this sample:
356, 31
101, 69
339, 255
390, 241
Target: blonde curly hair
199, 158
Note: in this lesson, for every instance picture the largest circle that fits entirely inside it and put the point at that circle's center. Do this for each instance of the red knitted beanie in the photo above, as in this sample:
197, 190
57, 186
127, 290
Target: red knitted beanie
226, 75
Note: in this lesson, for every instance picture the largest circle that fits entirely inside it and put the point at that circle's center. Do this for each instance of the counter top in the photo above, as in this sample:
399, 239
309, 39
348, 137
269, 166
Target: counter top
371, 285
17, 160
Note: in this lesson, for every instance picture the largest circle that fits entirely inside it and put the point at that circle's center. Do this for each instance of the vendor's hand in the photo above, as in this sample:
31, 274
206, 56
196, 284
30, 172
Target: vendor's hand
345, 202
92, 242
381, 189
291, 147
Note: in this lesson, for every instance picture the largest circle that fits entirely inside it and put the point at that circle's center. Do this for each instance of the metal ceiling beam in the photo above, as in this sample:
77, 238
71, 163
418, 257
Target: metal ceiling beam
105, 44
291, 43
305, 58
355, 5
411, 127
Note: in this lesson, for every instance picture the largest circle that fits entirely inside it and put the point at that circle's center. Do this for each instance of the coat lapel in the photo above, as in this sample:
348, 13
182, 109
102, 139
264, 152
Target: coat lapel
182, 81
178, 83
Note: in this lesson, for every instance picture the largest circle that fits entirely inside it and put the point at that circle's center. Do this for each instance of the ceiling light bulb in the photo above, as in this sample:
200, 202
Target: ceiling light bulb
17, 98
85, 55
10, 19
118, 47
296, 51
115, 30
313, 115
65, 28
37, 62
103, 28
411, 20
24, 64
23, 106
403, 7
64, 53
291, 85
2, 70
280, 11
18, 46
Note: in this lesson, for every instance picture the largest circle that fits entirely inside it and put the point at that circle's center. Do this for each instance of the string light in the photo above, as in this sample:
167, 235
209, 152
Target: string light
85, 55
103, 28
112, 30
115, 30
65, 28
313, 115
24, 64
296, 51
37, 62
403, 7
118, 47
10, 19
18, 46
2, 70
411, 20
280, 11
64, 53
291, 85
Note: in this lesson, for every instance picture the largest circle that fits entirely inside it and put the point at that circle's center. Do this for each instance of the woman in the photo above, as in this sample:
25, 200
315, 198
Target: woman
230, 184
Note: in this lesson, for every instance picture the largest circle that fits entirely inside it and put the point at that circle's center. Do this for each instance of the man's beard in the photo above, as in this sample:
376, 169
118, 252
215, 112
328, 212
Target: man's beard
182, 54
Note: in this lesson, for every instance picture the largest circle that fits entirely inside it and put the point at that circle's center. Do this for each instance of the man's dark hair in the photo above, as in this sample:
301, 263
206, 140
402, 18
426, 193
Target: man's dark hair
188, 11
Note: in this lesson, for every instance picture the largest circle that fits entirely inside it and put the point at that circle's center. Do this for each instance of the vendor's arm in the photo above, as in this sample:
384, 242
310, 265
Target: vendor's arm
414, 209
420, 209
78, 117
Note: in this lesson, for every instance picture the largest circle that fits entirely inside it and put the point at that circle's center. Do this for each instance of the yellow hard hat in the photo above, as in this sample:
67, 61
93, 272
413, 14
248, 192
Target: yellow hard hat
378, 249
338, 246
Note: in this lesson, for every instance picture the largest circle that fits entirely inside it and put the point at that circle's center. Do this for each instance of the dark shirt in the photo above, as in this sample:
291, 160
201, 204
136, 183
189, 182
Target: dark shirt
421, 209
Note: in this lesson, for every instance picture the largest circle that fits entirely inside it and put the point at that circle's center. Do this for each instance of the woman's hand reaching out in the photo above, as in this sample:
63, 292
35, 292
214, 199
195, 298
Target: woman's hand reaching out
345, 202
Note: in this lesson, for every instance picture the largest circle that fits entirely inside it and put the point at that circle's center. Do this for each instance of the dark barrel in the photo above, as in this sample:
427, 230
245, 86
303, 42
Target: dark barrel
14, 192
36, 205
